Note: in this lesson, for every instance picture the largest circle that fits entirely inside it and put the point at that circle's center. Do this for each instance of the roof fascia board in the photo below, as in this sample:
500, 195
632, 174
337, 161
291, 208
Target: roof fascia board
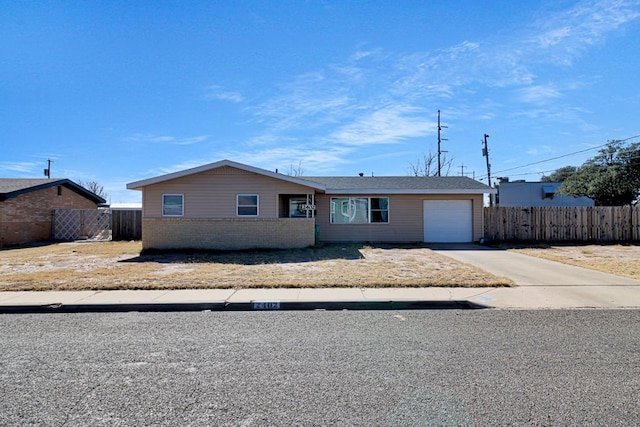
413, 191
26, 190
64, 182
138, 185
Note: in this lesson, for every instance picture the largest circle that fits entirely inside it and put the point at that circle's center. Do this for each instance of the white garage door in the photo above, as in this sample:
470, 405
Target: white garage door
448, 221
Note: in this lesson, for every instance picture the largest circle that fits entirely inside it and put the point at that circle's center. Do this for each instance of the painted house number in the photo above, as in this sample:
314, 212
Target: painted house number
266, 305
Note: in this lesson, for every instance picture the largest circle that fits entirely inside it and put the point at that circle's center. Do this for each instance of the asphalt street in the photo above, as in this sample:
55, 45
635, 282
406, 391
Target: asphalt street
454, 367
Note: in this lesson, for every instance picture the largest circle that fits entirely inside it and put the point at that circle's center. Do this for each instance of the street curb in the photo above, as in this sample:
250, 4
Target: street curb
270, 305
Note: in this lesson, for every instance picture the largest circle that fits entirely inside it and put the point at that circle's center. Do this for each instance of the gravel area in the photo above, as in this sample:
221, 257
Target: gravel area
620, 259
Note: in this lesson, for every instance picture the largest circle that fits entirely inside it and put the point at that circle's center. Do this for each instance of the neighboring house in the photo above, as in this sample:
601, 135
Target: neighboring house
126, 206
535, 194
26, 207
229, 205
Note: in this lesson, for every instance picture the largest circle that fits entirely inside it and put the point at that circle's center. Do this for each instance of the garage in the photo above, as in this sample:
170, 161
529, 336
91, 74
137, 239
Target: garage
449, 221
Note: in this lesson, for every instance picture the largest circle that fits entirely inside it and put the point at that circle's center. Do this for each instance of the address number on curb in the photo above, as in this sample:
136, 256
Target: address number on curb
266, 305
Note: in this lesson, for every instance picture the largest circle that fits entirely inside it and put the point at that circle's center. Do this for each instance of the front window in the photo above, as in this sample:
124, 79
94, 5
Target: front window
379, 209
359, 210
247, 204
172, 205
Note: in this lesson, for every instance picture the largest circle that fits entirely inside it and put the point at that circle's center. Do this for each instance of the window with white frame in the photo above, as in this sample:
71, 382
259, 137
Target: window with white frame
172, 205
359, 210
247, 204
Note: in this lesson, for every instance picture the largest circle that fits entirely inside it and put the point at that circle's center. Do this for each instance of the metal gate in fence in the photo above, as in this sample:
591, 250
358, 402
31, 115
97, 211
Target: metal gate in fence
76, 224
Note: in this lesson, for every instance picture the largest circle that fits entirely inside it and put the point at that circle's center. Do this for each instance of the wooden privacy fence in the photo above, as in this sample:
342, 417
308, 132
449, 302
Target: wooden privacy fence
555, 224
126, 224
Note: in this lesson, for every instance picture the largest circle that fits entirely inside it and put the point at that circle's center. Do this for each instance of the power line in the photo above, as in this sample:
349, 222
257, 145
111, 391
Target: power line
552, 158
577, 167
562, 156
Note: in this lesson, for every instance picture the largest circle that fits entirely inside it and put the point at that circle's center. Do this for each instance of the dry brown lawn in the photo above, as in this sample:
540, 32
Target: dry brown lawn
623, 260
119, 265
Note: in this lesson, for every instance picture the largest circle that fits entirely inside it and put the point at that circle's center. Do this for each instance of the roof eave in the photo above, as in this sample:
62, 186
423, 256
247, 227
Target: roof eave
139, 185
412, 191
63, 182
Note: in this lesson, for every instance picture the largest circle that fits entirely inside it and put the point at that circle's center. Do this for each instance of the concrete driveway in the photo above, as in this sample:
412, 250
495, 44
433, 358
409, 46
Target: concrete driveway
544, 283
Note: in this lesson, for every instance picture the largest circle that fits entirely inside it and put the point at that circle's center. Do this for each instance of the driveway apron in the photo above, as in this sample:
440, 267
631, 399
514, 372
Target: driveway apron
542, 283
527, 270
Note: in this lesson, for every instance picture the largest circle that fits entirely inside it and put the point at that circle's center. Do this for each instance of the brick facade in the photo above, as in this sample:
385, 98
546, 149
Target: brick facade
27, 217
227, 234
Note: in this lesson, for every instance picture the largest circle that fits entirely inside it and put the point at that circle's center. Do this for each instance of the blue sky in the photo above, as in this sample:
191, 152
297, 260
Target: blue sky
117, 91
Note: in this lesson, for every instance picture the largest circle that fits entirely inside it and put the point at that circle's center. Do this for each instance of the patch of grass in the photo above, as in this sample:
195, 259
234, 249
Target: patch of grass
622, 260
119, 265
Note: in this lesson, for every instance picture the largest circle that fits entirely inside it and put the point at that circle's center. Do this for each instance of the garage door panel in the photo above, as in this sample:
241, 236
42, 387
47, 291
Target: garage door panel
448, 221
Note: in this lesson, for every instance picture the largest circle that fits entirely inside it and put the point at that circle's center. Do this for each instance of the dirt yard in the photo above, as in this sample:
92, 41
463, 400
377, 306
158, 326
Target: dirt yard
622, 260
119, 265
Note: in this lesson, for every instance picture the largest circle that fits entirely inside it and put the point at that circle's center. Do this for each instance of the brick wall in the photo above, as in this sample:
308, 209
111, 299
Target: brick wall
227, 234
27, 217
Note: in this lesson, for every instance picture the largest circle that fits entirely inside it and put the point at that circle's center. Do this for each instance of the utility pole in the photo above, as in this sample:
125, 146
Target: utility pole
47, 171
439, 140
462, 170
485, 153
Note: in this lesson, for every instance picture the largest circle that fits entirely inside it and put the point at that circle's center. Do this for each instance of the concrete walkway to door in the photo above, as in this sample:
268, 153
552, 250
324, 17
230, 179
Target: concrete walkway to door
543, 283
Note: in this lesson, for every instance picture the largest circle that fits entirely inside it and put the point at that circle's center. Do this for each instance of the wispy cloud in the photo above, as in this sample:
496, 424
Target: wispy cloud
543, 149
564, 35
222, 94
177, 167
311, 99
387, 125
20, 167
539, 94
310, 158
165, 139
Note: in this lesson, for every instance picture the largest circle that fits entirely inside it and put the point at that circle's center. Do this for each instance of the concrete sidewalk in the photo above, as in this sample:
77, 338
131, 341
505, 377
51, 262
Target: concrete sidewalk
526, 297
240, 299
541, 284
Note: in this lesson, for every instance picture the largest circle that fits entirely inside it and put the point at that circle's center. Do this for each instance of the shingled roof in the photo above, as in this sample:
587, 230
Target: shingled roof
13, 187
346, 185
400, 185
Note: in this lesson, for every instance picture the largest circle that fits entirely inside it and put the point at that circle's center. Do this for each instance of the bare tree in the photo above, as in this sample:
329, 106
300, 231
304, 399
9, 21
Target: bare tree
94, 187
296, 171
428, 166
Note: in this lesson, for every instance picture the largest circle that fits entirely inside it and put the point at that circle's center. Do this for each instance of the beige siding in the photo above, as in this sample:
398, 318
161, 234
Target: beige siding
478, 217
212, 194
405, 220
